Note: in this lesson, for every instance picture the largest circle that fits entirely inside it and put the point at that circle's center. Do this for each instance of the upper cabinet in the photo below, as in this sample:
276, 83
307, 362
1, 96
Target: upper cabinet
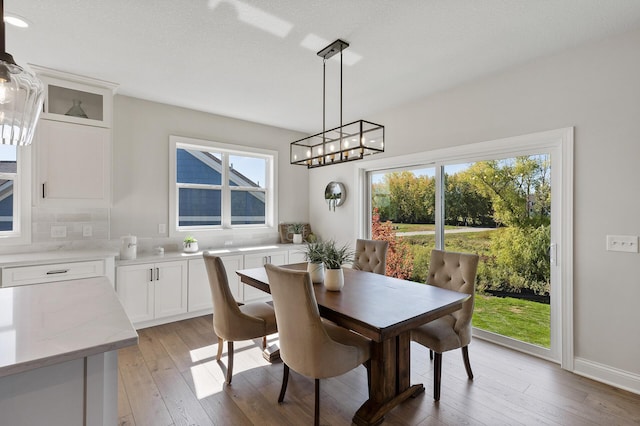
76, 99
72, 146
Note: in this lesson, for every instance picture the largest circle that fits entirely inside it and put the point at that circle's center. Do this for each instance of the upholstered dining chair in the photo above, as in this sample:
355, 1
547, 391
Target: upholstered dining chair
232, 322
453, 271
371, 256
310, 346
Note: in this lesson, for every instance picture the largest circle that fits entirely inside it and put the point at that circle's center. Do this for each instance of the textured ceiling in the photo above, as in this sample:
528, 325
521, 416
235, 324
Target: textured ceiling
256, 60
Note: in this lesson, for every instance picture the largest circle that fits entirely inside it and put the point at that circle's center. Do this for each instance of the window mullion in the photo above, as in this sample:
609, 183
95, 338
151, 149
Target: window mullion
226, 192
439, 216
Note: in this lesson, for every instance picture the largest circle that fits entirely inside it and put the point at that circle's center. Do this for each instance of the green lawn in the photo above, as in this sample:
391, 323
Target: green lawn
515, 318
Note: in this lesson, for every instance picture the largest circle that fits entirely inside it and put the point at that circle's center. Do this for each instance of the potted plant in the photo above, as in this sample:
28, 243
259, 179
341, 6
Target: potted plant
190, 244
334, 258
314, 254
296, 229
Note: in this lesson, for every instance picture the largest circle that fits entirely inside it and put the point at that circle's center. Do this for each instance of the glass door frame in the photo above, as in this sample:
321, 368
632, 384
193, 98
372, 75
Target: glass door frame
559, 144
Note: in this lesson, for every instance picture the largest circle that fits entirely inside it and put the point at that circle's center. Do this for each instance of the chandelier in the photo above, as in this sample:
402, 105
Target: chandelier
348, 142
21, 97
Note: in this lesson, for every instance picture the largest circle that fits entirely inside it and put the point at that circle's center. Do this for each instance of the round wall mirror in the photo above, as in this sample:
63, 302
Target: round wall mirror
335, 193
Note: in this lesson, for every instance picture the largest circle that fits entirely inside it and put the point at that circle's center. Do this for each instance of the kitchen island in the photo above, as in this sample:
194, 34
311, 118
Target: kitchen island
58, 352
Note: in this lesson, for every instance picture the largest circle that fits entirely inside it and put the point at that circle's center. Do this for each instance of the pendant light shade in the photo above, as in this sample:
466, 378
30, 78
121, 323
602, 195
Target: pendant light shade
21, 98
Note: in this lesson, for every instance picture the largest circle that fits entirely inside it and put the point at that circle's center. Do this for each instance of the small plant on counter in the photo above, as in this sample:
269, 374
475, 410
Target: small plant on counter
190, 244
296, 228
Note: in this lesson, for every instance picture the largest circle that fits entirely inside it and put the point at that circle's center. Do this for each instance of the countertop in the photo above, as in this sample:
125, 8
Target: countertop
180, 255
55, 256
45, 324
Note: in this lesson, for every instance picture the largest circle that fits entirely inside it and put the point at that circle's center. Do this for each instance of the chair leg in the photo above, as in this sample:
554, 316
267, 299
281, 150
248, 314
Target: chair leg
264, 342
285, 381
316, 419
467, 364
368, 367
430, 354
220, 343
437, 370
230, 363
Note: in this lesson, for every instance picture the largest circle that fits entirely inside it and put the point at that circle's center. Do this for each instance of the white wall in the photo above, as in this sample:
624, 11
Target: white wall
141, 165
595, 88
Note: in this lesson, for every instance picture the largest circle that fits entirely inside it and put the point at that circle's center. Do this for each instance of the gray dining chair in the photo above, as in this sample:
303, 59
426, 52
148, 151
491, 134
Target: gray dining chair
232, 322
309, 345
371, 256
452, 271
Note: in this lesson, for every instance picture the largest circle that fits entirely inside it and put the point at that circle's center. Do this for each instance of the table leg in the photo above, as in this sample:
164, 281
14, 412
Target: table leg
390, 380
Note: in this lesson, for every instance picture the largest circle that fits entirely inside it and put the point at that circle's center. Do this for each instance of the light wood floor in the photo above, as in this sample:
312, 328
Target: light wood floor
172, 378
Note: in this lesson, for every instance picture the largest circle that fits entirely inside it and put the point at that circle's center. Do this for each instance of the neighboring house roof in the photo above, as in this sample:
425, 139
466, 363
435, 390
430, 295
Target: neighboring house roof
8, 167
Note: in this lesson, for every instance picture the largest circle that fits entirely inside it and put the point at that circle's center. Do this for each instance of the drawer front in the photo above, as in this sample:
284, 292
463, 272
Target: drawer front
23, 275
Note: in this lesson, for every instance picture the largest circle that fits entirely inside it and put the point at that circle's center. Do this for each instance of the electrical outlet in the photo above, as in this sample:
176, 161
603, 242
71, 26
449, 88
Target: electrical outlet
162, 228
627, 243
58, 231
228, 243
87, 230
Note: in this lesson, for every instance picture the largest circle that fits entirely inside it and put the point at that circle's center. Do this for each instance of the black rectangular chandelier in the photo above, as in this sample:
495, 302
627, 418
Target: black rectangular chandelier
347, 142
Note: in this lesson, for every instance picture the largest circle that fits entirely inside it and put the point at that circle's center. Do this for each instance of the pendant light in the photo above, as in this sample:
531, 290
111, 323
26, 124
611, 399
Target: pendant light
21, 97
348, 142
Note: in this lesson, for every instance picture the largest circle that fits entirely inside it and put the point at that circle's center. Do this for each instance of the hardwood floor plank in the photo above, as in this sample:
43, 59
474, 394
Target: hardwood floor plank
182, 404
172, 377
146, 402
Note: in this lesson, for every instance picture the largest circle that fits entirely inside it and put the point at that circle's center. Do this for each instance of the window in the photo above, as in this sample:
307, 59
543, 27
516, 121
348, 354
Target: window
219, 186
14, 205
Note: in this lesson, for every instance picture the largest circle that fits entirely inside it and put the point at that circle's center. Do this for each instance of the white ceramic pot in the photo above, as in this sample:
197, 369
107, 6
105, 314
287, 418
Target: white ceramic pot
297, 238
316, 270
190, 247
334, 279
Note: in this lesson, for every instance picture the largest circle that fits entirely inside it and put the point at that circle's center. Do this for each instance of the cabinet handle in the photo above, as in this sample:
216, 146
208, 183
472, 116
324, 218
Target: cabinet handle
157, 274
43, 193
151, 274
57, 271
269, 258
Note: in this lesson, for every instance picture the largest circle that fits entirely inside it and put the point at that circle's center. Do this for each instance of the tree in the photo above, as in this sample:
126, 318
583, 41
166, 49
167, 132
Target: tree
464, 205
399, 257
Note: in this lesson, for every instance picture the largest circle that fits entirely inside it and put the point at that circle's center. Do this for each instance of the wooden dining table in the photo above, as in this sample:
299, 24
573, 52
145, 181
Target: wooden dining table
385, 310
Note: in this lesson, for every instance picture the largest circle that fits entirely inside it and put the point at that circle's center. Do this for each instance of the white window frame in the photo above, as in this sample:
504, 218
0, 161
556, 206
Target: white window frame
270, 187
560, 144
21, 233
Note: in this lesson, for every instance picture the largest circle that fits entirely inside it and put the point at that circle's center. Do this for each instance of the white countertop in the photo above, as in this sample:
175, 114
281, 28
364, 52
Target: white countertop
180, 255
45, 324
55, 256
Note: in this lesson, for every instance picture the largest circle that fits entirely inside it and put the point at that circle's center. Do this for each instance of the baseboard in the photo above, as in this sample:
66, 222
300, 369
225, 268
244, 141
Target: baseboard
606, 374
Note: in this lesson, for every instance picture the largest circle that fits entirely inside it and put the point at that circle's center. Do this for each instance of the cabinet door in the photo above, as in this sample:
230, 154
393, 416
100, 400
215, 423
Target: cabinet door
231, 265
199, 297
73, 164
170, 288
135, 288
251, 294
297, 256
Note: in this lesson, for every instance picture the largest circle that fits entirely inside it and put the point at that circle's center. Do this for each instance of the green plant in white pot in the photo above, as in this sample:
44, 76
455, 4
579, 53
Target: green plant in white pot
190, 244
297, 229
314, 254
334, 258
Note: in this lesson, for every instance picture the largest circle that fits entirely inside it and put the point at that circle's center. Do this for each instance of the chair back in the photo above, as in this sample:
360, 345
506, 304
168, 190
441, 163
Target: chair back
457, 272
305, 345
371, 256
228, 321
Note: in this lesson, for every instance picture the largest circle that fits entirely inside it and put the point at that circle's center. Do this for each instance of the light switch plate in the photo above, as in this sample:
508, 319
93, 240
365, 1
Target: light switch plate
162, 228
627, 243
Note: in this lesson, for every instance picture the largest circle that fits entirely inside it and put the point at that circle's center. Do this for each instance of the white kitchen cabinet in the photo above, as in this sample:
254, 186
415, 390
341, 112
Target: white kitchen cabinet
73, 165
251, 294
151, 291
73, 141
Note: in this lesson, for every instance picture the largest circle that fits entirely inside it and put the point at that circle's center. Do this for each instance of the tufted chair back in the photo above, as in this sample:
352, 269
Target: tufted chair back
371, 256
457, 272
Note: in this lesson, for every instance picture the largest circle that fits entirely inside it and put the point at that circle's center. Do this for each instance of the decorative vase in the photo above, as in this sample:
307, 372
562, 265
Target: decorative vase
316, 270
297, 238
76, 110
334, 279
190, 247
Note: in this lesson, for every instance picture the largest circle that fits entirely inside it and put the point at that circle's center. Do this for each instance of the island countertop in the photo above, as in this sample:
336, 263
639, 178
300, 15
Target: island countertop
46, 324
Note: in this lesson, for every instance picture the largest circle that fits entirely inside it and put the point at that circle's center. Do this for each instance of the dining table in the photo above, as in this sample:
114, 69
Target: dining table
385, 310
